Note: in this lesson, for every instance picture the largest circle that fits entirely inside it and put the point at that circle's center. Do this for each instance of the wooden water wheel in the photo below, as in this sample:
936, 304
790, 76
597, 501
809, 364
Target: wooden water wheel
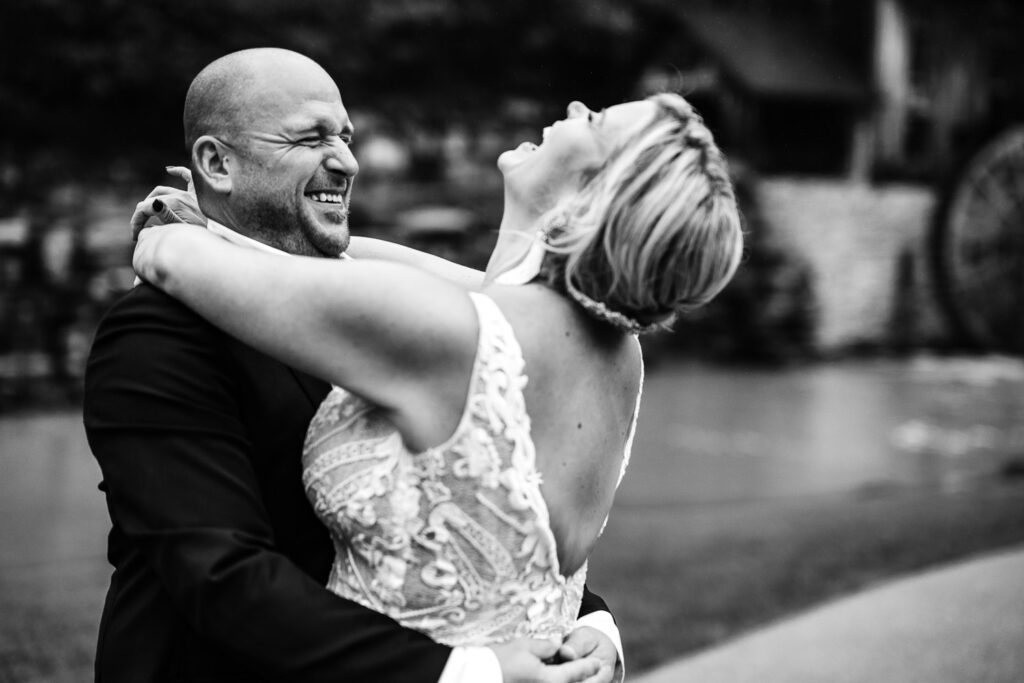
979, 247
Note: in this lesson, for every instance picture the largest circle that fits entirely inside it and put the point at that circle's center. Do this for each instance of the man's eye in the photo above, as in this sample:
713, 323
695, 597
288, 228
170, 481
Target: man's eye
317, 140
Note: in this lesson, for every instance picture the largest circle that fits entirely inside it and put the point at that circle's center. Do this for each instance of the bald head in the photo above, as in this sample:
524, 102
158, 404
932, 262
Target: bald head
231, 91
269, 141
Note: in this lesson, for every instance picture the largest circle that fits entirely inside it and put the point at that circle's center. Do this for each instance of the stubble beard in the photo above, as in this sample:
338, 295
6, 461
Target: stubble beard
295, 231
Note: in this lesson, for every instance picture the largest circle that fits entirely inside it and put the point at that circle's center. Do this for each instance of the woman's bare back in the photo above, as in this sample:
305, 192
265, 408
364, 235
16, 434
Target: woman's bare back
584, 382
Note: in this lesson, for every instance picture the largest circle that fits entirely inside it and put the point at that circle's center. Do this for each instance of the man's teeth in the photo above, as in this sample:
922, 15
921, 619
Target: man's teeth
329, 197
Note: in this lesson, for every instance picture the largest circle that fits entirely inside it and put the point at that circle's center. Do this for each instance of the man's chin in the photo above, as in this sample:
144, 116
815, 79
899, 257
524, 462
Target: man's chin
332, 241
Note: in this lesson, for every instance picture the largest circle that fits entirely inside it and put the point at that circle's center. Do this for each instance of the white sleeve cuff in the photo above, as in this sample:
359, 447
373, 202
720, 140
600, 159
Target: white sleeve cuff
480, 664
603, 622
472, 665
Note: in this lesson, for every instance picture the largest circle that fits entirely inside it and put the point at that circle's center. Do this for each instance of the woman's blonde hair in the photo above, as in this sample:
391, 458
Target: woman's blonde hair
656, 230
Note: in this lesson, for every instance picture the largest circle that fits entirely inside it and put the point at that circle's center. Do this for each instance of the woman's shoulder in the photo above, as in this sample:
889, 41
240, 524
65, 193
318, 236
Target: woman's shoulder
558, 339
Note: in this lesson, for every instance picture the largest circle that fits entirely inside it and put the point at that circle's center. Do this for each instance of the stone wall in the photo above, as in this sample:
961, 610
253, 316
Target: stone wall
867, 250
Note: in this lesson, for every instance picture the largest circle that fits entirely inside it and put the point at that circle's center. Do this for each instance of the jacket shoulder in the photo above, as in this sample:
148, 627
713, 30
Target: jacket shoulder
147, 303
151, 353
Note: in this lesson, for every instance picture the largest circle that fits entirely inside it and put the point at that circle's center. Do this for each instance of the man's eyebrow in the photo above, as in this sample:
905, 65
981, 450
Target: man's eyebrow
321, 126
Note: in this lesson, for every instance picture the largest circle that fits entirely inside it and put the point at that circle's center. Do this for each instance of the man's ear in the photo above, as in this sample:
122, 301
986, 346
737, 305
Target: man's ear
214, 161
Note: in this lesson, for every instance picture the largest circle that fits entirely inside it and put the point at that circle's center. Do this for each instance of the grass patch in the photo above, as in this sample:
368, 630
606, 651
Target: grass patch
682, 578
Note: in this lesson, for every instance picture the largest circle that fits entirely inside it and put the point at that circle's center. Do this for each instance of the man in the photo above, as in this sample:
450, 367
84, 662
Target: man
219, 562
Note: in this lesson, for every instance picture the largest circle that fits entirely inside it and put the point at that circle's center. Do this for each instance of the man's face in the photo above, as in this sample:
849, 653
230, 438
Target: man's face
293, 179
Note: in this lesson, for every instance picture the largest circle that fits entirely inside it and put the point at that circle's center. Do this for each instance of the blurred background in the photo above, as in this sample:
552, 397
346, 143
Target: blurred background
850, 409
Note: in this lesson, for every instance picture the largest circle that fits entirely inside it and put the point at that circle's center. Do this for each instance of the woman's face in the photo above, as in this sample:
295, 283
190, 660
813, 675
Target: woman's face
572, 149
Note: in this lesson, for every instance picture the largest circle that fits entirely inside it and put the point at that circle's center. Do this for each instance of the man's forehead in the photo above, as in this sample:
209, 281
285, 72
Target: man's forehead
317, 114
295, 95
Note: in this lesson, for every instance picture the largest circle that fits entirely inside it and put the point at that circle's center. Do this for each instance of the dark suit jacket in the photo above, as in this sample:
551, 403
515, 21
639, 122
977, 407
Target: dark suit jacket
219, 562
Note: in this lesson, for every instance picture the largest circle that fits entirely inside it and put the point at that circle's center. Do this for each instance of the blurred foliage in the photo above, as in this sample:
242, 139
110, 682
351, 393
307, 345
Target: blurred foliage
95, 86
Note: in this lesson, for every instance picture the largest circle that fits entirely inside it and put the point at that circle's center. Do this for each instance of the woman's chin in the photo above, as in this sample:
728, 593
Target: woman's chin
509, 159
514, 157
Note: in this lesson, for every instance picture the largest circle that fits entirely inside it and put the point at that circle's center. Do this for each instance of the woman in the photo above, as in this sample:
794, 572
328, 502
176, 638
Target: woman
469, 464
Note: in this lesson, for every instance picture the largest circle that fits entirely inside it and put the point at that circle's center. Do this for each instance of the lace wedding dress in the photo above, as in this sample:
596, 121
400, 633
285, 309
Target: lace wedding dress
454, 541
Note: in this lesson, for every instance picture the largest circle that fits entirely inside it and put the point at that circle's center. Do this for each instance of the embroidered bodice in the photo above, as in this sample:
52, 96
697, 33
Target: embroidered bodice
455, 541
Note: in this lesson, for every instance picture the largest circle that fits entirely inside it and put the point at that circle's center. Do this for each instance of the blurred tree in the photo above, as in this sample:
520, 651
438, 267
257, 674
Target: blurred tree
95, 87
91, 87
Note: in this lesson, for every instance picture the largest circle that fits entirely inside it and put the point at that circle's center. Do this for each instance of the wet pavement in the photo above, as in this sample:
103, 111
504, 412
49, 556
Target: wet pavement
53, 571
49, 504
707, 436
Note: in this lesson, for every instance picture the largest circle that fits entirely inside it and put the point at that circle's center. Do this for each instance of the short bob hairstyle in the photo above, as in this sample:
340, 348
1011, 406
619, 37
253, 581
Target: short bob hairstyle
656, 230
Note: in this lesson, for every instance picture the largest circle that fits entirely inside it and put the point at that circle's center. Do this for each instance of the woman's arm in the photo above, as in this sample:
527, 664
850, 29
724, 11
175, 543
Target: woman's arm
402, 338
367, 247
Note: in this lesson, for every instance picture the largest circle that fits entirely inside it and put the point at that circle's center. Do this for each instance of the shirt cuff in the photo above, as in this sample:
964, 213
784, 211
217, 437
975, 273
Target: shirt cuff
603, 622
473, 665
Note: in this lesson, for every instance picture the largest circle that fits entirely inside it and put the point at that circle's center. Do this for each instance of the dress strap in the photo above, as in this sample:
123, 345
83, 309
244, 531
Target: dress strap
490, 315
636, 416
496, 334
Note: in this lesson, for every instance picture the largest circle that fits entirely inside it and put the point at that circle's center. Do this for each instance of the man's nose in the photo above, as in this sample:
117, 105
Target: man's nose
576, 109
341, 160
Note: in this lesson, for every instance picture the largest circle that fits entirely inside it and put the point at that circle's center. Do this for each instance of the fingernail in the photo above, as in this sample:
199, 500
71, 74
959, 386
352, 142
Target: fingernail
568, 652
158, 205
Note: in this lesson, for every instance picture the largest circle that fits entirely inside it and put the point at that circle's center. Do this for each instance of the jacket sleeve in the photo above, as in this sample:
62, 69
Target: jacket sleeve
592, 603
162, 420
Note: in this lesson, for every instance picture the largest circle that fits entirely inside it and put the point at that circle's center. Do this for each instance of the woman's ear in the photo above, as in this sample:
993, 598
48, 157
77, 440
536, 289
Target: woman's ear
213, 161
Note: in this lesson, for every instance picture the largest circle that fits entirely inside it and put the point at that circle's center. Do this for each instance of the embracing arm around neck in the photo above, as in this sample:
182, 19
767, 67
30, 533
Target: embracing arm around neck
368, 247
401, 338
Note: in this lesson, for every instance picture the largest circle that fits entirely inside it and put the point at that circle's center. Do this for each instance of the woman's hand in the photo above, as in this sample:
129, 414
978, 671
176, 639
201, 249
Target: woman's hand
157, 248
169, 205
525, 660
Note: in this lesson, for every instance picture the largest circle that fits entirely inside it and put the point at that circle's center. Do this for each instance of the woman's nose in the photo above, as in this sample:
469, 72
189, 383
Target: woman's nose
576, 109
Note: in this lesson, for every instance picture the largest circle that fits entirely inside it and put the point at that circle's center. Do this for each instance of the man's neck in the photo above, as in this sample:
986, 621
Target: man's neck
238, 238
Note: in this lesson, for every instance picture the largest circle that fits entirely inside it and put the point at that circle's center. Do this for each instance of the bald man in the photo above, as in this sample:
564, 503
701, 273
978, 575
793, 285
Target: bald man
220, 564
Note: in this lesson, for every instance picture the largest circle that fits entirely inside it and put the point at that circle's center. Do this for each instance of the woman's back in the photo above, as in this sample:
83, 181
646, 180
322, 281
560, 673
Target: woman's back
584, 384
460, 541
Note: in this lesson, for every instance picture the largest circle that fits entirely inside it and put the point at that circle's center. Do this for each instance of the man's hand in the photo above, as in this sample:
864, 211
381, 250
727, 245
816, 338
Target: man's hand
522, 661
169, 205
589, 642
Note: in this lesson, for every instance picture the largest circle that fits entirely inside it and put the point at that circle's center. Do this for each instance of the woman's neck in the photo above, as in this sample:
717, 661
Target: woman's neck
519, 225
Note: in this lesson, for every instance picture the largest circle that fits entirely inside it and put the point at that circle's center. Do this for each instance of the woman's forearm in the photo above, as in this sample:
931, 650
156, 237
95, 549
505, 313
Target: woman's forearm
365, 324
368, 247
184, 262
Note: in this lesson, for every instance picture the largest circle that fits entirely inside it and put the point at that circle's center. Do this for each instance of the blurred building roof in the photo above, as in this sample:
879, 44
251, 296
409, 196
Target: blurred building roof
771, 58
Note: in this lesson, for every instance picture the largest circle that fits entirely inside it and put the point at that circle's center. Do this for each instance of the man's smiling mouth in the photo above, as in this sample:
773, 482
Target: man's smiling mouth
327, 197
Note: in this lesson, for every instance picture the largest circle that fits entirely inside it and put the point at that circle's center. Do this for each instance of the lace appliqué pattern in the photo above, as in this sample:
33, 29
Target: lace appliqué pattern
456, 541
